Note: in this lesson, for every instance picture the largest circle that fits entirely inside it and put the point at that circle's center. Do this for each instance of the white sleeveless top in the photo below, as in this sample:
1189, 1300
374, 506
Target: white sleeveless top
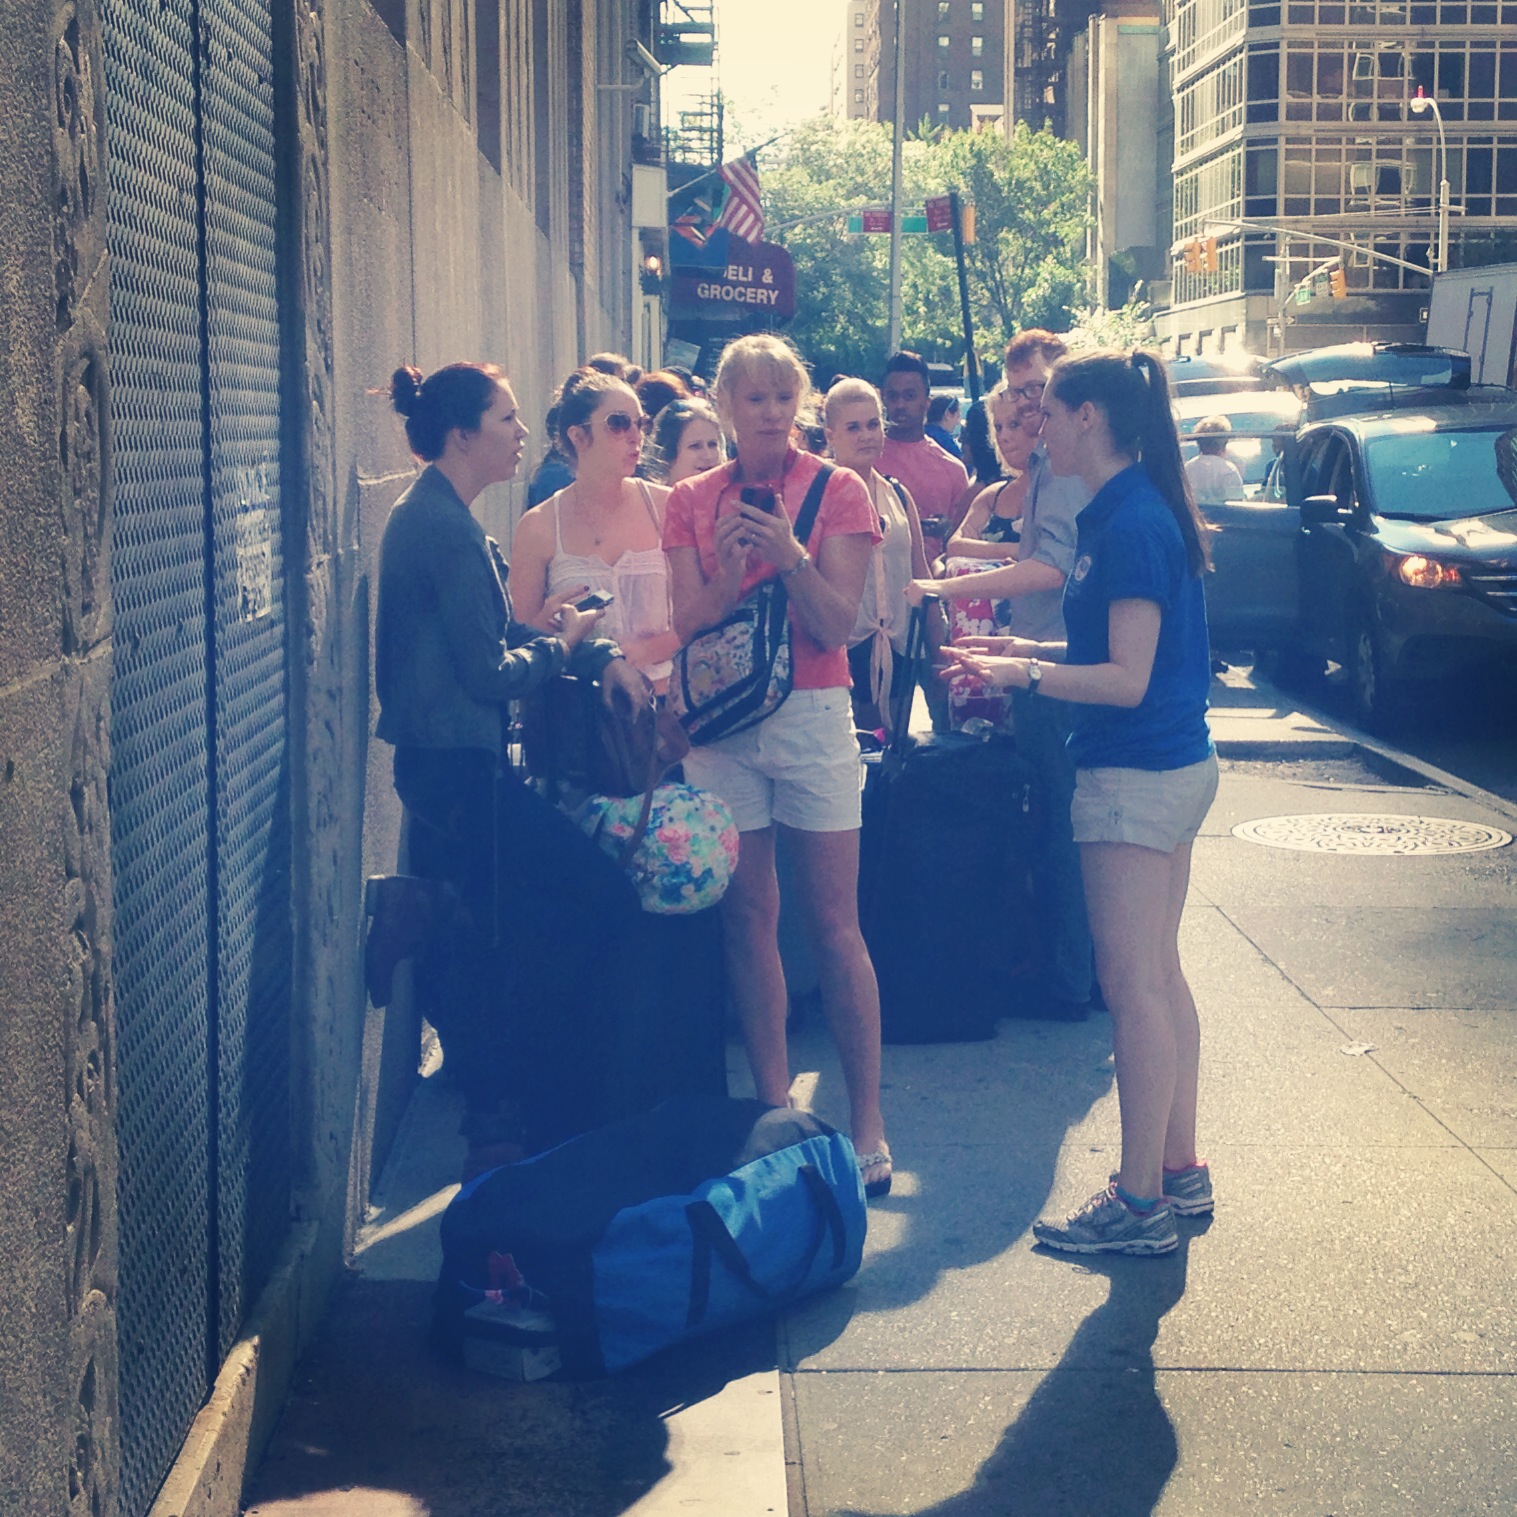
639, 581
889, 574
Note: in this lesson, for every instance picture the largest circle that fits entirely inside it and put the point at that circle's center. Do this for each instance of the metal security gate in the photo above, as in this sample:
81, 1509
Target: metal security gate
199, 770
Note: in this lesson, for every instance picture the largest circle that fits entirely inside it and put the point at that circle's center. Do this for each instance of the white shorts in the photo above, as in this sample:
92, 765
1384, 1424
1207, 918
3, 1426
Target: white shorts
1154, 808
799, 767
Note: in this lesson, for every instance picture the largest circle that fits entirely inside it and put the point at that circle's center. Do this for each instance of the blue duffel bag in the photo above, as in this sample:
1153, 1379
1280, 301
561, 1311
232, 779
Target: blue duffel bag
698, 1214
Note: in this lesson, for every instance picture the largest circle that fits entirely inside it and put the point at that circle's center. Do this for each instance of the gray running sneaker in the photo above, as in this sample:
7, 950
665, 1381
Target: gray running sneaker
1188, 1191
1107, 1225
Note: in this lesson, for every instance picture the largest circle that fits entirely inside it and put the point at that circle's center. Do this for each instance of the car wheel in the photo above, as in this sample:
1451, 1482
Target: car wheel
1377, 697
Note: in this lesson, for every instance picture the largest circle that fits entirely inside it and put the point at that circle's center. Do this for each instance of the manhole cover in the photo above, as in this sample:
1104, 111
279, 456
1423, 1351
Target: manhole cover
1357, 832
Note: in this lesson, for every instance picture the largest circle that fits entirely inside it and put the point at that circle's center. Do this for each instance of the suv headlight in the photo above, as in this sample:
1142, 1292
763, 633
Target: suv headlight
1423, 573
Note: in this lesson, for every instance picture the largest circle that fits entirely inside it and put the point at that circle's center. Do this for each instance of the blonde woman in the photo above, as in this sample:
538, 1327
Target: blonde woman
854, 418
725, 531
604, 531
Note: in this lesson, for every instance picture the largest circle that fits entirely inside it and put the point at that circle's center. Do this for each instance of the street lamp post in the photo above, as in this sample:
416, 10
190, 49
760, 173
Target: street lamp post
1419, 104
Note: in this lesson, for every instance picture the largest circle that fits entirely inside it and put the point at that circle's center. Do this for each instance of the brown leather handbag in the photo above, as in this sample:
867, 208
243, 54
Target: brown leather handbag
572, 739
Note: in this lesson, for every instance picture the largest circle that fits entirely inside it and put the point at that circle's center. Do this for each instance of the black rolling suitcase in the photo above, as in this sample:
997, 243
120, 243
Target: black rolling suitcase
943, 875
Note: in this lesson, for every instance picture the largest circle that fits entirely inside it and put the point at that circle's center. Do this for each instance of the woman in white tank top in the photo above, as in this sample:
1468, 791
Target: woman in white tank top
603, 532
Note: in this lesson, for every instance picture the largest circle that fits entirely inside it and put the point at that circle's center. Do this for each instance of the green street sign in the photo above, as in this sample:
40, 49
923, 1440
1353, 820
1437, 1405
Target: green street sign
879, 221
1303, 296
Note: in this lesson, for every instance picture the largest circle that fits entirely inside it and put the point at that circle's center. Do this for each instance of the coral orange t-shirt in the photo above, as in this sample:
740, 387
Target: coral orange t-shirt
690, 522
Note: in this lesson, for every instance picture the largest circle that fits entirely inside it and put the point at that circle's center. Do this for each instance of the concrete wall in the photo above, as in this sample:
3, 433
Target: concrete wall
57, 1152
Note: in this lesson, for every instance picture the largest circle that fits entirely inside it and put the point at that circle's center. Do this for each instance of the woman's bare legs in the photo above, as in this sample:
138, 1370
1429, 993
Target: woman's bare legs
828, 875
755, 978
1135, 896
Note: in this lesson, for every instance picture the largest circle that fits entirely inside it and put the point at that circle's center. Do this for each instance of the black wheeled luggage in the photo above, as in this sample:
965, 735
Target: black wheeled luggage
944, 876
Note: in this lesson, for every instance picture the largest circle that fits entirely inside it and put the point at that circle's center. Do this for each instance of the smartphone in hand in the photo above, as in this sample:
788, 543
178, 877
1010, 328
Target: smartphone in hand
764, 499
596, 600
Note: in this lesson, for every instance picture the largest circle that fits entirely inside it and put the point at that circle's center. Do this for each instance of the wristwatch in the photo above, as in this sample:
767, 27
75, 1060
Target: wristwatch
797, 566
1034, 676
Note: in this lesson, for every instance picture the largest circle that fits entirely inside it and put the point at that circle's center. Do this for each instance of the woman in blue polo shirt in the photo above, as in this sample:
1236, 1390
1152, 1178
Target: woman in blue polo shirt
1137, 665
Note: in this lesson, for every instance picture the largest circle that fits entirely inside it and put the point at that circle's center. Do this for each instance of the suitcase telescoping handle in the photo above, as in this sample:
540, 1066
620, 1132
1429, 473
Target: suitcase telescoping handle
918, 658
714, 1243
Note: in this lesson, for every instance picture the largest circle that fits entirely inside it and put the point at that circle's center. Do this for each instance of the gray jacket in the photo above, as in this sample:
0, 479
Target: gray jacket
448, 653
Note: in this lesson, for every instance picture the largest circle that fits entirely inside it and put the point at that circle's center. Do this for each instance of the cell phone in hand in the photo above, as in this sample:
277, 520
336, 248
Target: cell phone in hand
596, 600
753, 495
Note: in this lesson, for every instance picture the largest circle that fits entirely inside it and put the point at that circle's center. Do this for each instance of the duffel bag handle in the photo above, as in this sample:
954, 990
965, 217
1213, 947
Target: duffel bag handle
713, 1242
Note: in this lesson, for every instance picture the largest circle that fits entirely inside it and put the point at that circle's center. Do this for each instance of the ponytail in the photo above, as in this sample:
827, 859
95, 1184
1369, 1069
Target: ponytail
1132, 392
1159, 448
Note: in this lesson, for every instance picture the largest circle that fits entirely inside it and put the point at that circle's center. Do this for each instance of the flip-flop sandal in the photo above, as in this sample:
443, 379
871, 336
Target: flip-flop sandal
874, 1189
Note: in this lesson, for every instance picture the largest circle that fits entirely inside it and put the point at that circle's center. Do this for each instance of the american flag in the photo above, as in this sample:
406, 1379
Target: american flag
743, 214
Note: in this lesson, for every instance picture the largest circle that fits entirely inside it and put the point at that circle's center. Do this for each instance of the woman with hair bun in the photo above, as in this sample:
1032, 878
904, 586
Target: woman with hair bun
449, 656
1137, 666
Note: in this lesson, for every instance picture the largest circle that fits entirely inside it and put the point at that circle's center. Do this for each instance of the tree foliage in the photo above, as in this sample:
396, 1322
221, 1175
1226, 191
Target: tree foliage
1128, 326
1027, 267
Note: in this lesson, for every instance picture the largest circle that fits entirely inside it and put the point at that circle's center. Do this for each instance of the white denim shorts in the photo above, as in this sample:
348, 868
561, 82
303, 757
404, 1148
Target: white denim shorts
799, 767
1154, 808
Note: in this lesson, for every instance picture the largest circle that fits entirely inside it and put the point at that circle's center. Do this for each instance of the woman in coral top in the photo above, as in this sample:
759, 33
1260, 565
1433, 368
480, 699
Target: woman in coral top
724, 532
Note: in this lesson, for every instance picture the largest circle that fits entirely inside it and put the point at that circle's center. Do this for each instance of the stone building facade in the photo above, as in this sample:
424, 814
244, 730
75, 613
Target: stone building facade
226, 222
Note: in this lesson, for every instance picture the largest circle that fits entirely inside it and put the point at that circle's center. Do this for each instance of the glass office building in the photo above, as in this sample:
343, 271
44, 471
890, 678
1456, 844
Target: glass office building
1297, 113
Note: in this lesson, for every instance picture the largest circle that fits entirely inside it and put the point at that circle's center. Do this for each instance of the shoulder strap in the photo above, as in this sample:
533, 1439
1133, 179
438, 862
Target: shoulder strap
558, 522
812, 504
899, 489
642, 484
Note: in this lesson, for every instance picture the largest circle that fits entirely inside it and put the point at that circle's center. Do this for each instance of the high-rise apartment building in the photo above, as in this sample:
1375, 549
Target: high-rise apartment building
1298, 115
954, 54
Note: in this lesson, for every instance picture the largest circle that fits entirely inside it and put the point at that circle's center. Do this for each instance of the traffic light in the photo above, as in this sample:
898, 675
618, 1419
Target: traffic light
1193, 256
1337, 282
1210, 263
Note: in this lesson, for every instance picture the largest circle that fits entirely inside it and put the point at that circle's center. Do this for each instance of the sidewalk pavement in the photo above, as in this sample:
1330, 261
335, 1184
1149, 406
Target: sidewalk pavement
1338, 1340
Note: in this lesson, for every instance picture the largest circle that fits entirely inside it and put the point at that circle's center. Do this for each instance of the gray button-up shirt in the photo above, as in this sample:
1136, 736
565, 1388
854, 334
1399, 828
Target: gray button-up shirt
1048, 536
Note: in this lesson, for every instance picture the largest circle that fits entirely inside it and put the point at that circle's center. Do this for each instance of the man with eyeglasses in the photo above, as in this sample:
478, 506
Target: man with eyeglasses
1064, 978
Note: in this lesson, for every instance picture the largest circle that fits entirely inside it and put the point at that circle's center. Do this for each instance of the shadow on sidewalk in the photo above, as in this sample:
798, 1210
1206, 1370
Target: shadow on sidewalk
1094, 1437
378, 1425
977, 1129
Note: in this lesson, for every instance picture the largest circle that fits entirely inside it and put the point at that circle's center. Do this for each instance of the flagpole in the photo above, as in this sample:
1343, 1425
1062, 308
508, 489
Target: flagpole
716, 168
895, 181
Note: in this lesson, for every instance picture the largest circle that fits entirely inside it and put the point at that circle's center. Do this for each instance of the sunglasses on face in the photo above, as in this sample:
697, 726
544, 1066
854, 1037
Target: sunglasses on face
620, 423
1029, 392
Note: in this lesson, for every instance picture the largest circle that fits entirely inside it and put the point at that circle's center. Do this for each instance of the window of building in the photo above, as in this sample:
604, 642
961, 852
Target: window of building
858, 97
1264, 83
858, 70
942, 10
942, 107
977, 11
976, 46
942, 41
976, 79
942, 81
858, 18
858, 44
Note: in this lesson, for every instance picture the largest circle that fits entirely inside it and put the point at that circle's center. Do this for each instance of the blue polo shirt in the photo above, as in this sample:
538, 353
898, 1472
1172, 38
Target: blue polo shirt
1129, 547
